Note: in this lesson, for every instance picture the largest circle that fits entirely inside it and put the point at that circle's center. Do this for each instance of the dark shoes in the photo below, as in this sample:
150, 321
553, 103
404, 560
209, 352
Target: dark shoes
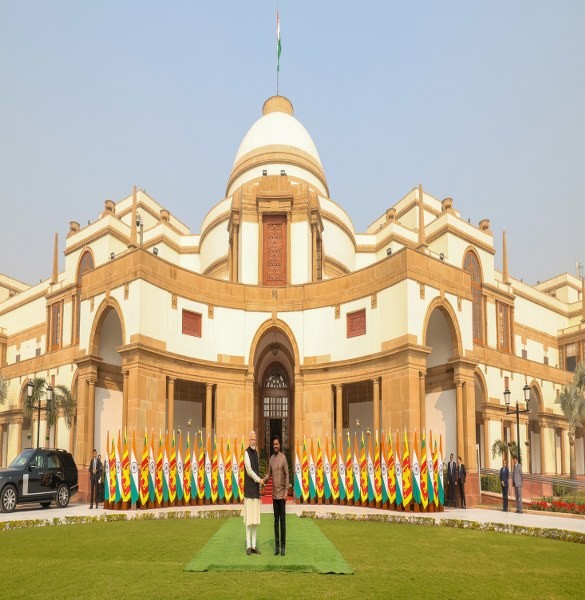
282, 551
256, 551
91, 507
249, 551
276, 552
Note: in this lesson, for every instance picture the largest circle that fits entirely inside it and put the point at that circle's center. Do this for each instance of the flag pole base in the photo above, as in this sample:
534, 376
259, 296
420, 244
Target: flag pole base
416, 507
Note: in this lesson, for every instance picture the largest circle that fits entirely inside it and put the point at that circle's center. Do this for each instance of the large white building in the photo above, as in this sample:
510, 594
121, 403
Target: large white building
279, 316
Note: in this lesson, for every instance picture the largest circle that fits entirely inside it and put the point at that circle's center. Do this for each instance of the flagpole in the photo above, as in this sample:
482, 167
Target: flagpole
277, 48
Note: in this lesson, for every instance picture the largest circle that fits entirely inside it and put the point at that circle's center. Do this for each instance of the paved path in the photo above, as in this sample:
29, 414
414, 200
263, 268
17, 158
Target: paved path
480, 515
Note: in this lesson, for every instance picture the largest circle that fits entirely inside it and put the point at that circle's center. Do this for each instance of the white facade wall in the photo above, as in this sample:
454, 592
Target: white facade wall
441, 418
274, 169
300, 261
215, 244
338, 244
538, 317
249, 252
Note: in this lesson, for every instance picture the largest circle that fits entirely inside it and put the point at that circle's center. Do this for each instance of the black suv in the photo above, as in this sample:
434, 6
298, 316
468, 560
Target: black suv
38, 475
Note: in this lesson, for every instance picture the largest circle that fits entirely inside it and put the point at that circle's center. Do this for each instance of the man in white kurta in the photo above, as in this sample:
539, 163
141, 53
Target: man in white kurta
251, 512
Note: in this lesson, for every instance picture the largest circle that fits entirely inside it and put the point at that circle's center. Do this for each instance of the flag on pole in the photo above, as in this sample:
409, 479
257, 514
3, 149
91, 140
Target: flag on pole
220, 472
214, 472
159, 476
391, 471
173, 470
430, 470
341, 467
377, 472
125, 471
348, 471
441, 482
357, 484
298, 473
113, 472
416, 495
305, 472
208, 469
436, 472
424, 473
166, 469
334, 470
312, 474
201, 474
119, 468
180, 470
406, 474
107, 470
235, 472
187, 473
241, 467
134, 484
326, 472
319, 469
228, 473
363, 472
398, 472
144, 472
151, 469
384, 471
371, 474
278, 42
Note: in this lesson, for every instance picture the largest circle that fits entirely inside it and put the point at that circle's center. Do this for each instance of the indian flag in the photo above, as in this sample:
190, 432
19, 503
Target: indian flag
391, 472
319, 469
348, 471
327, 471
134, 486
363, 471
228, 473
298, 474
416, 496
357, 486
278, 43
220, 472
377, 472
441, 482
384, 471
312, 474
151, 469
305, 472
180, 470
430, 470
208, 469
341, 468
118, 470
107, 470
398, 472
158, 488
144, 472
166, 469
371, 473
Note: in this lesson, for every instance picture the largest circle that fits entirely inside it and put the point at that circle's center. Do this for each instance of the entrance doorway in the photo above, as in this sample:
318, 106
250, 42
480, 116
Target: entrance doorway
275, 407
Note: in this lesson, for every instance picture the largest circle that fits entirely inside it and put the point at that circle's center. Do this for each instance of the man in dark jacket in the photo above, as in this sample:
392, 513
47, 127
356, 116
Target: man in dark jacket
504, 480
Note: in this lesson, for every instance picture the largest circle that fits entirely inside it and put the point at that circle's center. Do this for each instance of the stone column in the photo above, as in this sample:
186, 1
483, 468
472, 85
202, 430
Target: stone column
171, 403
422, 397
338, 409
208, 408
376, 395
564, 468
125, 392
486, 443
460, 419
90, 419
543, 436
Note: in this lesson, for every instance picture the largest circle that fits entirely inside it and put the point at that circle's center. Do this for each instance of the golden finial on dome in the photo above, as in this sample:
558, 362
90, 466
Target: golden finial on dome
278, 104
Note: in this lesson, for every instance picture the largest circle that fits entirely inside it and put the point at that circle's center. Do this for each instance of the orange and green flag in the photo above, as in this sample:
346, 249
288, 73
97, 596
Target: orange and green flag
424, 473
166, 469
326, 471
134, 475
187, 472
214, 472
144, 472
391, 471
371, 471
305, 471
151, 469
159, 476
349, 471
180, 470
319, 469
363, 471
416, 493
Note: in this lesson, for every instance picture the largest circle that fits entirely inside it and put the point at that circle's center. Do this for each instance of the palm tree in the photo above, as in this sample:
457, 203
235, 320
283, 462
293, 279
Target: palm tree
63, 403
500, 448
571, 403
3, 390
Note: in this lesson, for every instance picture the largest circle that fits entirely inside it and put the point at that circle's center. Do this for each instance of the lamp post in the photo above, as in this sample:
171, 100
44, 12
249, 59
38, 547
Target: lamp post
517, 411
49, 393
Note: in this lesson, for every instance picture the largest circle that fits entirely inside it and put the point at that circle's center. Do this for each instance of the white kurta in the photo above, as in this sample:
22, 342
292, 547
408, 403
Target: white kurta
251, 510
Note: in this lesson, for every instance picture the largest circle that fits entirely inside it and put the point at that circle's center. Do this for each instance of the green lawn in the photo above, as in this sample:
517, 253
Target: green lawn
145, 559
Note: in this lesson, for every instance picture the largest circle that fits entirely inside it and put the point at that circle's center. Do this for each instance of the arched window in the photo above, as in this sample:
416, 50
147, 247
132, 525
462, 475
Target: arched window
85, 264
276, 406
471, 265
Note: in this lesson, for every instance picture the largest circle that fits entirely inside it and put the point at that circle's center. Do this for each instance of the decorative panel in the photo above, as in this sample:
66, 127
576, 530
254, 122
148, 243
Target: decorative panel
274, 250
356, 323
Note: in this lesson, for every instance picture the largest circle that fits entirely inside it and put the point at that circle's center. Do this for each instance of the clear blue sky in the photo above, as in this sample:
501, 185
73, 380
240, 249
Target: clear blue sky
483, 101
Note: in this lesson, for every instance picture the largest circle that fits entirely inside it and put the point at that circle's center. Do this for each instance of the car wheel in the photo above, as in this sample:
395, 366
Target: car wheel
45, 504
8, 499
62, 499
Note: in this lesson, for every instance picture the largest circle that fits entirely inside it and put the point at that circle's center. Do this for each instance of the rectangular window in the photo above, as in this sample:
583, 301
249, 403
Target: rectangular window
571, 357
191, 323
356, 323
524, 353
319, 259
55, 326
503, 327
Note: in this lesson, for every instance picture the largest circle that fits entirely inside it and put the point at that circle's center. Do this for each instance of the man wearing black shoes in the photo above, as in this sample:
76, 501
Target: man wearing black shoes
278, 470
95, 474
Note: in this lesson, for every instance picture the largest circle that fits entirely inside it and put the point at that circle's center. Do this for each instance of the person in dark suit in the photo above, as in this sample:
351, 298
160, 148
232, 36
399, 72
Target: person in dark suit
451, 479
95, 474
504, 480
461, 475
517, 483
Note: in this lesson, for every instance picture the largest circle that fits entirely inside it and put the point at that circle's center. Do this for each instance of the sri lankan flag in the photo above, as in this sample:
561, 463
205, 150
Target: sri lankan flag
430, 470
144, 472
173, 471
166, 469
228, 473
363, 472
187, 473
341, 463
134, 479
326, 472
151, 470
220, 472
334, 470
391, 472
208, 469
305, 472
377, 472
159, 476
113, 473
384, 470
416, 495
319, 469
406, 474
348, 471
125, 471
424, 473
201, 473
214, 472
241, 469
119, 469
312, 474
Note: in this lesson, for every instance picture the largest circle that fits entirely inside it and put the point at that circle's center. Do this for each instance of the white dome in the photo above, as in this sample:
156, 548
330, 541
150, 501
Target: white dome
277, 129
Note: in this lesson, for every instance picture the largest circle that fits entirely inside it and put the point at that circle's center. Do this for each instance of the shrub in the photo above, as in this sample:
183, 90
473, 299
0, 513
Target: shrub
491, 483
